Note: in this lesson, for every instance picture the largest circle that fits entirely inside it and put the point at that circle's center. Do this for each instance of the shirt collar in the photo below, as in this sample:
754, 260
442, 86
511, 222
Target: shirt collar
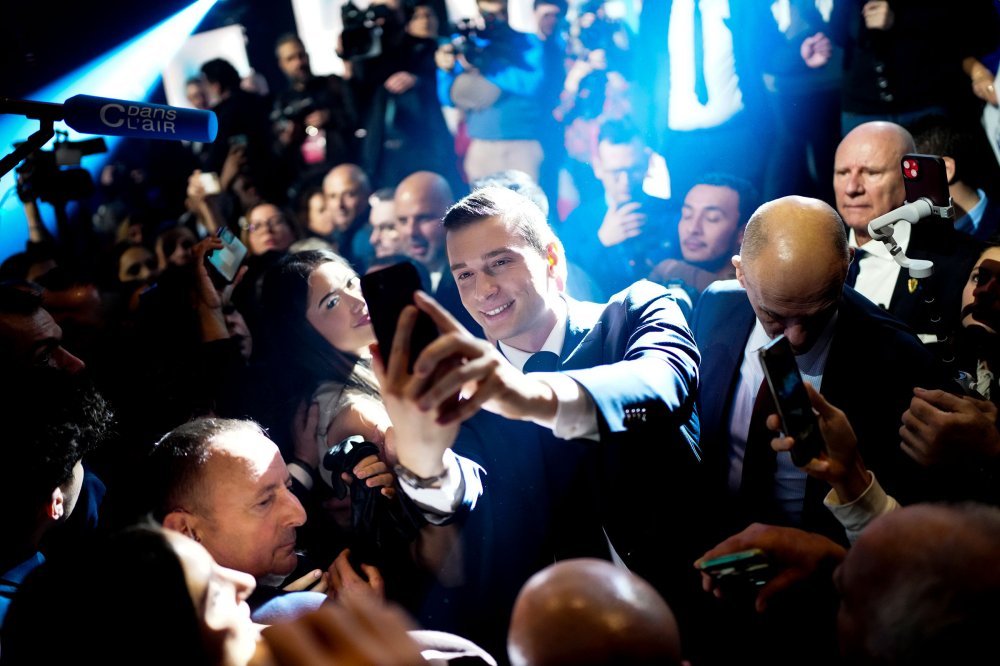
553, 343
900, 233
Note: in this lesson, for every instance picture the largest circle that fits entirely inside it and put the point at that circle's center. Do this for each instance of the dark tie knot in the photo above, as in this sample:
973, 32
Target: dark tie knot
543, 361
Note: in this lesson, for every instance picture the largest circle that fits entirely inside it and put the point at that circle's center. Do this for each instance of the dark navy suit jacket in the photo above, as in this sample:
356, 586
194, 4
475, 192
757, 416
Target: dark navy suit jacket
546, 498
873, 364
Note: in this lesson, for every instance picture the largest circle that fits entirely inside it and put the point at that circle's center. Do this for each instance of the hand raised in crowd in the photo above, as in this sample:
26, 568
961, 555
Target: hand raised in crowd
944, 429
344, 581
878, 15
796, 554
816, 50
621, 223
235, 162
201, 203
444, 57
840, 465
400, 82
207, 299
357, 632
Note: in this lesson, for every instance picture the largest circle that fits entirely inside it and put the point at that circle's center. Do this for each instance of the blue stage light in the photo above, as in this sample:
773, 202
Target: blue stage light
129, 71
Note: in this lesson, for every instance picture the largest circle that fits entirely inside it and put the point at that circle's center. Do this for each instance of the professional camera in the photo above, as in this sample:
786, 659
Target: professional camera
467, 41
294, 111
362, 35
55, 176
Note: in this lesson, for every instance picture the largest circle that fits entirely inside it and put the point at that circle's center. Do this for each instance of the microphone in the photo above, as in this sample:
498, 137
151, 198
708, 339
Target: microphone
142, 120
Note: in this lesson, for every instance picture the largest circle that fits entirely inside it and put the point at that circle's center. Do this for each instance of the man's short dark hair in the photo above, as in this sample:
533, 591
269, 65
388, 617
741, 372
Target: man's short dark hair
20, 297
560, 4
223, 73
619, 132
176, 462
51, 420
937, 135
749, 197
383, 194
287, 38
493, 201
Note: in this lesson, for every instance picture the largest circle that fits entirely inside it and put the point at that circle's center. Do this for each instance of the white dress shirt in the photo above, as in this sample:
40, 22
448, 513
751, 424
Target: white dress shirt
878, 271
725, 99
790, 481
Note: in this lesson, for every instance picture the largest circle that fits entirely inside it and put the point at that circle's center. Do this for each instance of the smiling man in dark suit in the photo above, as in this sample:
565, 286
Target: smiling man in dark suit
557, 447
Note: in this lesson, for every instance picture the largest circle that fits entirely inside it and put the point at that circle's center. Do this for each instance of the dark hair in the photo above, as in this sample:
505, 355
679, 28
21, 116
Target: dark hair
561, 4
300, 356
20, 297
176, 461
221, 72
618, 132
288, 216
108, 618
51, 420
518, 181
493, 201
937, 135
749, 198
287, 38
384, 194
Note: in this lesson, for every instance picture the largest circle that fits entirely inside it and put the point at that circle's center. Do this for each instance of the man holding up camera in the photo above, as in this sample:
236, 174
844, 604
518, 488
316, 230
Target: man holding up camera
493, 73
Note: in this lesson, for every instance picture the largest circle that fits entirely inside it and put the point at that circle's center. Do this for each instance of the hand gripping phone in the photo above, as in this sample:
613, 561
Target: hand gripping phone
747, 568
227, 260
797, 417
387, 291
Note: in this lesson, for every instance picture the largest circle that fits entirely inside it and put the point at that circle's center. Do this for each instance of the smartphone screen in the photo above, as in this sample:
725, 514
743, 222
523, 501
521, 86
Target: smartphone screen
794, 408
227, 260
746, 567
387, 291
924, 177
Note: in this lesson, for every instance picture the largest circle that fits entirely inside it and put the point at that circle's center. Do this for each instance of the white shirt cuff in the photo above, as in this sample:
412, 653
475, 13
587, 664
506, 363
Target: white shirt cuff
868, 506
576, 413
438, 504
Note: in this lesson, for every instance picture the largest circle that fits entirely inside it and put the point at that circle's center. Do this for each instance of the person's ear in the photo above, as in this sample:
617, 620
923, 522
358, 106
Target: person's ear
738, 265
183, 522
949, 169
56, 507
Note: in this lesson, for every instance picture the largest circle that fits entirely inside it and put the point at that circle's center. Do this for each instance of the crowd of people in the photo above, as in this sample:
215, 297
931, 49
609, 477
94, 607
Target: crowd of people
229, 469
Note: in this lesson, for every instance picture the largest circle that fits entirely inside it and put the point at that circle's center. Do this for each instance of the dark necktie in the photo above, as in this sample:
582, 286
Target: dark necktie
543, 361
759, 460
700, 87
855, 267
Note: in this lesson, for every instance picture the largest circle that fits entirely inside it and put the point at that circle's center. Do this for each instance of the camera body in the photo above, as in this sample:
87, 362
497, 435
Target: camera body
342, 457
362, 35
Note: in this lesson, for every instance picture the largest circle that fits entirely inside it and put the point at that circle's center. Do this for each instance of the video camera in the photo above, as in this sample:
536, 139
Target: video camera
467, 41
362, 35
55, 176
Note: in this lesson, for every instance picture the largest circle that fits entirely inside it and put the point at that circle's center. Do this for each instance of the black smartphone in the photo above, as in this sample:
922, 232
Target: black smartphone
791, 399
747, 568
925, 177
227, 260
387, 291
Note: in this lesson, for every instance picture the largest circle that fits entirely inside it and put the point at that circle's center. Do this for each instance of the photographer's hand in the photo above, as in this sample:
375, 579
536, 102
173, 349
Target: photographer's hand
345, 581
444, 57
878, 15
621, 223
374, 473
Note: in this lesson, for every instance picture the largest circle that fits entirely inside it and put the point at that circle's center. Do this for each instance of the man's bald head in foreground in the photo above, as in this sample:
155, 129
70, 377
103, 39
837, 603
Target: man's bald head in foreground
922, 586
589, 611
793, 263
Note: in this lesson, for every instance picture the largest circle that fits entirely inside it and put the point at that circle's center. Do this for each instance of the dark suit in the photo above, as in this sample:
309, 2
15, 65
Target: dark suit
933, 305
636, 358
873, 364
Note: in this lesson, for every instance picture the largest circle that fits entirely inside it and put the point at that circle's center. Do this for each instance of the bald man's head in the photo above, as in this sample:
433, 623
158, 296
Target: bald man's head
589, 611
867, 178
793, 263
922, 586
422, 199
346, 189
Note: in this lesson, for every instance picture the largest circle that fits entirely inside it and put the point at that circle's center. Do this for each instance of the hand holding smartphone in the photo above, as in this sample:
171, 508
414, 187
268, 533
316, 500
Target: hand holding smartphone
387, 291
797, 417
226, 261
746, 569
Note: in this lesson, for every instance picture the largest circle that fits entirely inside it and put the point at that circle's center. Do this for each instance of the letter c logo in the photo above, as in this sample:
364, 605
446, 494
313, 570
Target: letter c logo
104, 117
